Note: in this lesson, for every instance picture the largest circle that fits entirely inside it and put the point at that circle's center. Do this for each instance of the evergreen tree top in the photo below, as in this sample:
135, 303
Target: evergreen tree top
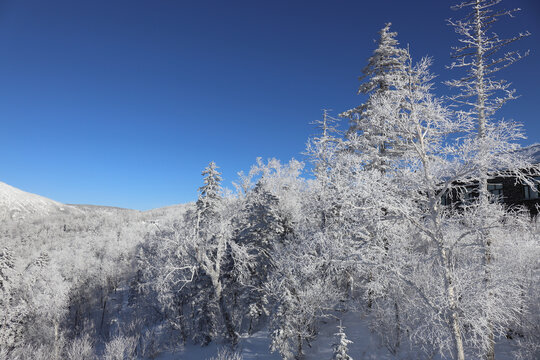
341, 346
212, 179
386, 58
209, 193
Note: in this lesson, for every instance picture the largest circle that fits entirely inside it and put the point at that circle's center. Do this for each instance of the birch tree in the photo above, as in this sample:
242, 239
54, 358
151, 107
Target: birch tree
434, 258
421, 127
481, 93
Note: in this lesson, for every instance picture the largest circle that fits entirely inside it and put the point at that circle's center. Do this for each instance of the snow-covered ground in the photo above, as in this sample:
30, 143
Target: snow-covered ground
257, 347
254, 347
365, 345
16, 203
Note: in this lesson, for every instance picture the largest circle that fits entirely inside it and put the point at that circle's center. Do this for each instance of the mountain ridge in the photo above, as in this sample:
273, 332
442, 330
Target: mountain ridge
16, 203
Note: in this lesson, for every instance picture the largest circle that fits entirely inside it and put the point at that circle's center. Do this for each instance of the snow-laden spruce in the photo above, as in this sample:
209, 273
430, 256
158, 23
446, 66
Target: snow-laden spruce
341, 347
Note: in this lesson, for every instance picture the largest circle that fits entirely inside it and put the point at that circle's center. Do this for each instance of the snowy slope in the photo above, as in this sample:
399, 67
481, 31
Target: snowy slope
532, 151
16, 204
366, 345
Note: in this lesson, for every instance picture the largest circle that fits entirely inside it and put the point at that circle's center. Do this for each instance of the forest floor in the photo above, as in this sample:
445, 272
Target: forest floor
366, 345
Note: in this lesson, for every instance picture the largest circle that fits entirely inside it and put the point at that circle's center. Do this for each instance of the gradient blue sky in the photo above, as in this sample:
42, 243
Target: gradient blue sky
124, 102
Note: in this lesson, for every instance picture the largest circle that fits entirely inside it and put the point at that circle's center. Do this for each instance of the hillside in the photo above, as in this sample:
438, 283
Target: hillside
16, 204
532, 151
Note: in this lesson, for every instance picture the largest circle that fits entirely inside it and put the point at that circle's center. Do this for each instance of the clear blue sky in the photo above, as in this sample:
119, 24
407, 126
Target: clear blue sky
124, 102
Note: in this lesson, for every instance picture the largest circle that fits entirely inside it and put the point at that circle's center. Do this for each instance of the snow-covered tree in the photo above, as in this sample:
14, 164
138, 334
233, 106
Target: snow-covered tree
213, 236
258, 227
434, 161
482, 94
120, 348
341, 347
300, 288
197, 262
323, 147
366, 135
302, 295
209, 194
12, 311
80, 348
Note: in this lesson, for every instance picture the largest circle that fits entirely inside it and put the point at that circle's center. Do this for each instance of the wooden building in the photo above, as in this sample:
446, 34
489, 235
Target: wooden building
506, 189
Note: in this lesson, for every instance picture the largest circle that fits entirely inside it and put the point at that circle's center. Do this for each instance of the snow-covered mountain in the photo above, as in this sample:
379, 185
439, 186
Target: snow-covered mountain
532, 151
18, 204
15, 203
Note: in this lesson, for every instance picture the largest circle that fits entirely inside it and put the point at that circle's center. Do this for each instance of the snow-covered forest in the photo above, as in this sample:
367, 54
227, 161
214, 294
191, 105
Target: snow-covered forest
388, 242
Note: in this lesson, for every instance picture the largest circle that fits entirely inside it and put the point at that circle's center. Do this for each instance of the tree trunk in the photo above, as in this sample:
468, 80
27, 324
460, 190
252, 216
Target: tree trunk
300, 350
231, 333
56, 341
398, 327
103, 314
459, 352
490, 354
218, 292
482, 126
